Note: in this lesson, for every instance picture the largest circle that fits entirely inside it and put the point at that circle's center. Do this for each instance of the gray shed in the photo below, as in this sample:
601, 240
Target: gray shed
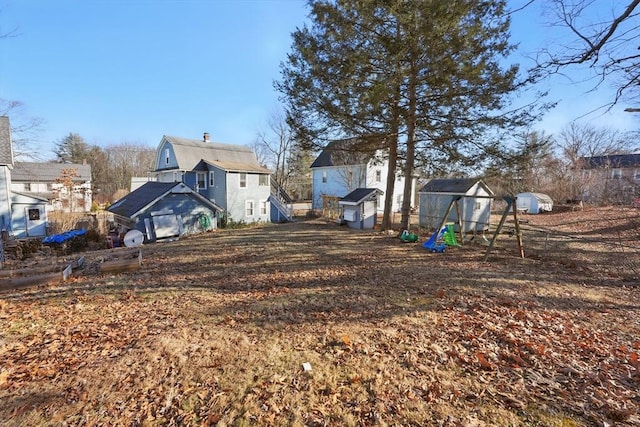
359, 208
162, 210
474, 200
28, 215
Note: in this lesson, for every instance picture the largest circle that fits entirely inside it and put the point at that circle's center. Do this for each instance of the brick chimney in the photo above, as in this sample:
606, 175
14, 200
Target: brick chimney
206, 137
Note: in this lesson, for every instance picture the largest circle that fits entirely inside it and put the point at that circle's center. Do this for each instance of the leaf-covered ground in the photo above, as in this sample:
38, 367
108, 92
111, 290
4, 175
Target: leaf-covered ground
214, 330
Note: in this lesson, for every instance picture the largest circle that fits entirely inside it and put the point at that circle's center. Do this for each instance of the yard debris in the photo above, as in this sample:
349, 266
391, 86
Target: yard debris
306, 366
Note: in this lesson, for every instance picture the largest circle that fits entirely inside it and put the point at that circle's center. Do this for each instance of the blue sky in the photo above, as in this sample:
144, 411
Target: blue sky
133, 70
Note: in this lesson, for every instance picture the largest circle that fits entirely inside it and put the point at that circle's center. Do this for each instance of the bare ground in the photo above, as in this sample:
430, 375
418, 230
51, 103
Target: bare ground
214, 330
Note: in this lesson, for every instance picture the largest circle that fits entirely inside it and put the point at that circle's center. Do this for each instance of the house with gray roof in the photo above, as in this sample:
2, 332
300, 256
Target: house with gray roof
345, 165
43, 180
164, 210
612, 178
229, 176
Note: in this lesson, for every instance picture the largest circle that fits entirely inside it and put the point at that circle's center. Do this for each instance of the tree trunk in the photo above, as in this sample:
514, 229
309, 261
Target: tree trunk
392, 144
411, 148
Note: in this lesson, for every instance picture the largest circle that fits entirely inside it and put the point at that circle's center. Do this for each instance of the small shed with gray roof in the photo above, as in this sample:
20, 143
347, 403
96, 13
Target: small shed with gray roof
359, 208
162, 210
473, 198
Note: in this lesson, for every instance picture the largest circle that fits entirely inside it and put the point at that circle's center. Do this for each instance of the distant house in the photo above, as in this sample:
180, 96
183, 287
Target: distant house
6, 165
44, 180
229, 176
474, 203
340, 168
611, 179
162, 210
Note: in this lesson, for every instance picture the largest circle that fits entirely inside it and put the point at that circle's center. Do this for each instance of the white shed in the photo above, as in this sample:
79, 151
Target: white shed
534, 203
474, 202
359, 208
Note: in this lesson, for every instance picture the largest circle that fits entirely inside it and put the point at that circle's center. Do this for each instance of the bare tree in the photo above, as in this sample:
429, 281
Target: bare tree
609, 46
585, 140
274, 145
24, 129
577, 142
127, 160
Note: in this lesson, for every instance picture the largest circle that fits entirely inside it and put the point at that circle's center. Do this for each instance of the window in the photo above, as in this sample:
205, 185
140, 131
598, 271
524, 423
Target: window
249, 207
378, 175
263, 180
350, 179
263, 207
166, 156
27, 186
243, 180
324, 176
211, 178
616, 173
49, 186
201, 180
477, 206
34, 214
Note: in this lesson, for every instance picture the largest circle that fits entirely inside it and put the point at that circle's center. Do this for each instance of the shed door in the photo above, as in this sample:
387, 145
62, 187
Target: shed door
166, 226
349, 213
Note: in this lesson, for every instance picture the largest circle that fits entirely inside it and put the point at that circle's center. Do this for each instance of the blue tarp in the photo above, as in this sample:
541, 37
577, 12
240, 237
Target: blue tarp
63, 237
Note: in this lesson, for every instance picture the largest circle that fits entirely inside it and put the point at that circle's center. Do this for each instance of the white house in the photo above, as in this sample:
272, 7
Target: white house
230, 176
43, 180
341, 168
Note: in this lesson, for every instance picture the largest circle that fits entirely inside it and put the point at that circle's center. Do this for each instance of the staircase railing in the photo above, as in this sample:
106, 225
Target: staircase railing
281, 199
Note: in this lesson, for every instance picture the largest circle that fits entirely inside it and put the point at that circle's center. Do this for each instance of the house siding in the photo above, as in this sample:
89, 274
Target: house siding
364, 176
161, 157
5, 200
237, 197
336, 182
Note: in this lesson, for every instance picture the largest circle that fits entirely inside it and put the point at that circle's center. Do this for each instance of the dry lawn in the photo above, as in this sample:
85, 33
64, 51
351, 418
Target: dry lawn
214, 330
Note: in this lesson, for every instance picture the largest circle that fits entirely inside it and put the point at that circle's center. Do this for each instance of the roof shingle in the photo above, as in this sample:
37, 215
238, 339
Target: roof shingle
48, 172
6, 148
189, 152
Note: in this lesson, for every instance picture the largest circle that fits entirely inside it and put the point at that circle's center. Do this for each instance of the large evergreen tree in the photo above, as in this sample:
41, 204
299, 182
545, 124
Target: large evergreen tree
422, 78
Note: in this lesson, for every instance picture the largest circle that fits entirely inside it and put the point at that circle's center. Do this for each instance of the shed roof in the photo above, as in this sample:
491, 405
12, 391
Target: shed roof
48, 172
360, 195
18, 197
189, 152
6, 148
346, 152
147, 194
611, 161
457, 186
